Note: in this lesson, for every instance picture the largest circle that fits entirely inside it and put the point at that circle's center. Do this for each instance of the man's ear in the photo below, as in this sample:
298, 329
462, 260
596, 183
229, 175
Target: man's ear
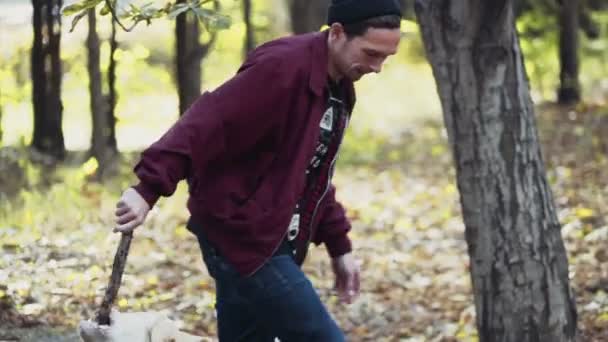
336, 31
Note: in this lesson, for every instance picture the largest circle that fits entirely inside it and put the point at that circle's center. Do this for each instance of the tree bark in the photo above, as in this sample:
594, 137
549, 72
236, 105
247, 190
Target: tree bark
569, 89
97, 101
103, 141
519, 266
112, 96
0, 119
189, 56
249, 43
308, 15
46, 78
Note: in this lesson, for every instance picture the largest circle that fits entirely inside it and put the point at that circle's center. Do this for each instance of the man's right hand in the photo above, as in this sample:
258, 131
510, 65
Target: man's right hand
131, 211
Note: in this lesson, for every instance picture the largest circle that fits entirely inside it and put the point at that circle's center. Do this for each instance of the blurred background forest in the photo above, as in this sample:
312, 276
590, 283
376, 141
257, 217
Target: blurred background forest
66, 156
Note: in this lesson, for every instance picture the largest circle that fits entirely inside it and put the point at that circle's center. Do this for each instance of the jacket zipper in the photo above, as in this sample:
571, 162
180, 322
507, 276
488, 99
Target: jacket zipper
329, 171
314, 213
274, 250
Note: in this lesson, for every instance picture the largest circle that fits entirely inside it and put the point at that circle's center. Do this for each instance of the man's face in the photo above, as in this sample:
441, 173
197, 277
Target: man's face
360, 55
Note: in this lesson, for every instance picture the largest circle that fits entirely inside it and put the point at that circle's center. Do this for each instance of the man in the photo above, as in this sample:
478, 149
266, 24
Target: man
259, 153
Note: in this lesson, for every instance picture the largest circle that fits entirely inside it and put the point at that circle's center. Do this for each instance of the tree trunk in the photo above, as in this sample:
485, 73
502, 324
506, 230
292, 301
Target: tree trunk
112, 96
97, 101
569, 89
249, 29
519, 266
103, 142
308, 15
46, 78
188, 59
0, 120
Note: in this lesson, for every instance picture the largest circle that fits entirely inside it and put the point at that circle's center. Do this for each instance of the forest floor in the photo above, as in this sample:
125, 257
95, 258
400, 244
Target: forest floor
56, 246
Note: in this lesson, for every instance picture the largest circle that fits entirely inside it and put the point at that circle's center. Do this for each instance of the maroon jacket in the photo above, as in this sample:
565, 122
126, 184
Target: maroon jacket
244, 149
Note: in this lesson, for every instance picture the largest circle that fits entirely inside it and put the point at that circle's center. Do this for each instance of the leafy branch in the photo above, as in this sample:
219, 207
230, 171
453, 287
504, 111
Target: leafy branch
210, 18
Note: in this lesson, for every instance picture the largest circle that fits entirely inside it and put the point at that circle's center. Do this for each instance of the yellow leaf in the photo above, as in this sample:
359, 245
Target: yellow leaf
437, 150
450, 189
584, 213
90, 166
409, 26
212, 303
203, 284
181, 231
2, 294
152, 280
95, 270
394, 155
123, 303
28, 219
166, 296
403, 223
137, 306
603, 317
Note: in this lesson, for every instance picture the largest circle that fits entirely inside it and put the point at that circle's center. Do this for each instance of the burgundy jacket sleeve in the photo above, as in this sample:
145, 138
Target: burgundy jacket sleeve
224, 122
333, 226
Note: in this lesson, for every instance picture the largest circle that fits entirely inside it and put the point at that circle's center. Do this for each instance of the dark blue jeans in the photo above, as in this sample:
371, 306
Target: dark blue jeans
278, 300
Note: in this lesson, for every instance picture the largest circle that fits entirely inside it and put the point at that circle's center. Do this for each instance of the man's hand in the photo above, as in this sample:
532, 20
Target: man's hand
346, 270
131, 211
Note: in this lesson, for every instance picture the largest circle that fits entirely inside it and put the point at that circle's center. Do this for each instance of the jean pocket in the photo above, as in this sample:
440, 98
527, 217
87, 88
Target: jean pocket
218, 267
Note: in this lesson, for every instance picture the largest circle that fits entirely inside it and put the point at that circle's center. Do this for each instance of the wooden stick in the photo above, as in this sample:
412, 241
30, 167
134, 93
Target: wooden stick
118, 267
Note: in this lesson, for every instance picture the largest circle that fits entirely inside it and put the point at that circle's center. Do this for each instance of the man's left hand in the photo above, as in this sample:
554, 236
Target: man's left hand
346, 270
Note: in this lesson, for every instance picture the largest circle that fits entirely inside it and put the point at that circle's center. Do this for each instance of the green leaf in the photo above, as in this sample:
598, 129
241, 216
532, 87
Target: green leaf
80, 6
72, 9
105, 10
77, 19
177, 10
212, 18
223, 22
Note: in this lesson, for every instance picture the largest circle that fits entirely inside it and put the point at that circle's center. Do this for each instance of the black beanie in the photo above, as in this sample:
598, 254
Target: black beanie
352, 11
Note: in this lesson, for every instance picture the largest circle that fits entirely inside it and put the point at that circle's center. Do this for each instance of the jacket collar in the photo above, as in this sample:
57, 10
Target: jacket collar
320, 61
319, 72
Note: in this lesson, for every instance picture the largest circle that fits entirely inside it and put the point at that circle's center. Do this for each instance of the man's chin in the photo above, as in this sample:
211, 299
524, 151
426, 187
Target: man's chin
355, 77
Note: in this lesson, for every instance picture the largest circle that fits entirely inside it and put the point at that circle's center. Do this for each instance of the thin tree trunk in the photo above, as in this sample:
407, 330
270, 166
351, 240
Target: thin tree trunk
519, 266
112, 96
188, 59
308, 15
46, 78
569, 89
97, 102
0, 119
249, 29
38, 74
103, 142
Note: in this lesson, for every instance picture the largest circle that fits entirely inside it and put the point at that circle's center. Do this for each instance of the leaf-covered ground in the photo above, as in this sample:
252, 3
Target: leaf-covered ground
57, 246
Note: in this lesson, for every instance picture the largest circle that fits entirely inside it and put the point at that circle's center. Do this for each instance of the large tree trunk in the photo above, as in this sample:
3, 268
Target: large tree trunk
188, 59
103, 142
307, 15
569, 89
249, 43
519, 266
46, 78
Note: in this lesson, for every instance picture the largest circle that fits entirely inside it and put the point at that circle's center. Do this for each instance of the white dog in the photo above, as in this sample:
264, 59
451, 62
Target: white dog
136, 327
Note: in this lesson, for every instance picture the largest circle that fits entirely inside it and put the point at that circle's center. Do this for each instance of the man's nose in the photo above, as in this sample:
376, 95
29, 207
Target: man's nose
376, 67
